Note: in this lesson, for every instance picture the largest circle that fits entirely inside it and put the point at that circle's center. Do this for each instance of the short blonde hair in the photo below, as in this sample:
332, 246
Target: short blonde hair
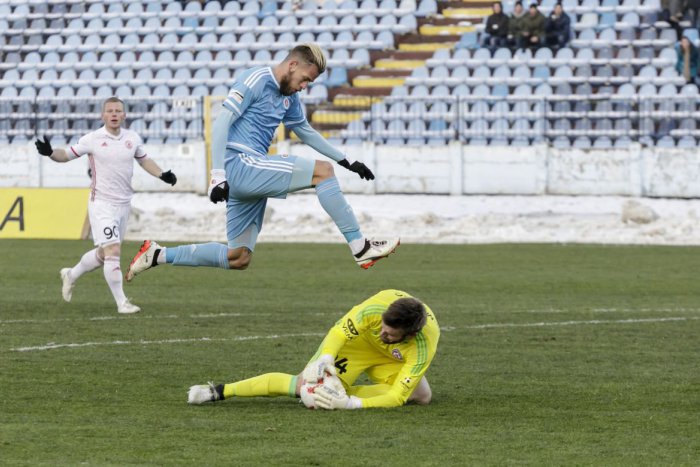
113, 99
310, 54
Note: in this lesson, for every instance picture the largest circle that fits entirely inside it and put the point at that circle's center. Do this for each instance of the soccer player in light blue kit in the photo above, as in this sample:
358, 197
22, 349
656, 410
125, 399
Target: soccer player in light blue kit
260, 99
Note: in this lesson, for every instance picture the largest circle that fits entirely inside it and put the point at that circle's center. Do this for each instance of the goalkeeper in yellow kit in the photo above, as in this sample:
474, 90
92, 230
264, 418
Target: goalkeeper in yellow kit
391, 337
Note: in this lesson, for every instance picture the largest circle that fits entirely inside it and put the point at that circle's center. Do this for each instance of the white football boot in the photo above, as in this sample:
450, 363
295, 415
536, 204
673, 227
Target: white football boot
375, 250
218, 186
202, 393
68, 284
126, 307
143, 260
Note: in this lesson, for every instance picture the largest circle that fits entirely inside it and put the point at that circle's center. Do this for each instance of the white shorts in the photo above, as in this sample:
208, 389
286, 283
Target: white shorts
108, 222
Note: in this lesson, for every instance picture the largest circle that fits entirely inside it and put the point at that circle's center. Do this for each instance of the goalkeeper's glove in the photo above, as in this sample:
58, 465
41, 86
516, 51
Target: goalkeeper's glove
330, 399
318, 368
44, 147
168, 177
358, 167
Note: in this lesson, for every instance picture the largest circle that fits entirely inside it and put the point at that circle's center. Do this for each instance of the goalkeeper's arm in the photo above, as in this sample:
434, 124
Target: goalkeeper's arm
324, 360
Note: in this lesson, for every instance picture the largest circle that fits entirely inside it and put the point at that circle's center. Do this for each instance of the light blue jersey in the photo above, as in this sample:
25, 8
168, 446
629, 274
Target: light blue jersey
259, 107
241, 138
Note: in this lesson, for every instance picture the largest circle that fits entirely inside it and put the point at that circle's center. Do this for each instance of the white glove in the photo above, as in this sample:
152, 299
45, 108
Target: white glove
330, 399
318, 368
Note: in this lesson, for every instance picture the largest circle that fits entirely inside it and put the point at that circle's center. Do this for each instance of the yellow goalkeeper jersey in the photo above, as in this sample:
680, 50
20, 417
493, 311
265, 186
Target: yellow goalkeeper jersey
361, 326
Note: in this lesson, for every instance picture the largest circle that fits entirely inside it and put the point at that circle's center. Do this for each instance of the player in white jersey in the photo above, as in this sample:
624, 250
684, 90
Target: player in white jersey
259, 100
111, 151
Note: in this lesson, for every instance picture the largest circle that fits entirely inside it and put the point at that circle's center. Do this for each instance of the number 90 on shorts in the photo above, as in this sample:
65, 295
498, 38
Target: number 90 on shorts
107, 222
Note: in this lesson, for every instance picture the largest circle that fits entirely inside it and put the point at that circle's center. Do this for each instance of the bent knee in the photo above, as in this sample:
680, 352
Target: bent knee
323, 170
422, 394
423, 399
239, 258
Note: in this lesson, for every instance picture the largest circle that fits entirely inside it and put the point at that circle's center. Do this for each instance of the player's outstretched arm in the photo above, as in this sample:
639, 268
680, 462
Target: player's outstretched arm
150, 166
45, 149
358, 167
314, 139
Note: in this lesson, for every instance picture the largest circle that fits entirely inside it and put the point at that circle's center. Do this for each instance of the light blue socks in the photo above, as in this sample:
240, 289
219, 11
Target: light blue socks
334, 203
211, 254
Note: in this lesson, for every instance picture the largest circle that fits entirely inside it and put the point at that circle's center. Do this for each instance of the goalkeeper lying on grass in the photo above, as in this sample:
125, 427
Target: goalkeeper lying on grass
391, 336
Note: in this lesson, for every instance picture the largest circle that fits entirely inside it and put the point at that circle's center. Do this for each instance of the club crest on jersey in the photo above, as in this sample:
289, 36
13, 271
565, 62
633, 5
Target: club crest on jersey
129, 144
396, 353
104, 144
285, 103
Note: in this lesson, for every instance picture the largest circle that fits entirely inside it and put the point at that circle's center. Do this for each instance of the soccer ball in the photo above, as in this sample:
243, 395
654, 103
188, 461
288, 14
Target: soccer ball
307, 389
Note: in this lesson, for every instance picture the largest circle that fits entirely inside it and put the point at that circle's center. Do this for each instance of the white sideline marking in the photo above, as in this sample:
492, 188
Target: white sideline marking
238, 315
608, 310
575, 323
114, 317
52, 345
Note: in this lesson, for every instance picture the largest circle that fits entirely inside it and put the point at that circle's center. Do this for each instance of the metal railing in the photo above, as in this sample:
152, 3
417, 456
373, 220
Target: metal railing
393, 120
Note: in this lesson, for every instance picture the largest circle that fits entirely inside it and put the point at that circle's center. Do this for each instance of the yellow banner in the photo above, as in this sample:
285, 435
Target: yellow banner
57, 213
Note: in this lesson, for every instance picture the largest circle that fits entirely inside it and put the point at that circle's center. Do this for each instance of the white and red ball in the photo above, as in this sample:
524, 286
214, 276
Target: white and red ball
307, 389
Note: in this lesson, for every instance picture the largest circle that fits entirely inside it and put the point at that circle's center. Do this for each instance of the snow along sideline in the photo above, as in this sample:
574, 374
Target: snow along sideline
186, 217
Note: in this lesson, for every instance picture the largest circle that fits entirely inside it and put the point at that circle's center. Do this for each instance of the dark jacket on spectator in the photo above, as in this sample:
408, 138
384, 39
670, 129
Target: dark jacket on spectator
559, 26
515, 25
534, 24
497, 25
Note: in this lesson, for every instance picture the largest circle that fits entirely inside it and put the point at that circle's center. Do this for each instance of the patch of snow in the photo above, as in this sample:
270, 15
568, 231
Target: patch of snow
184, 217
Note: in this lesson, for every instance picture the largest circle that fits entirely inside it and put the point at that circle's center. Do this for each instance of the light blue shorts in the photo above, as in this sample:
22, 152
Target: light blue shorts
252, 179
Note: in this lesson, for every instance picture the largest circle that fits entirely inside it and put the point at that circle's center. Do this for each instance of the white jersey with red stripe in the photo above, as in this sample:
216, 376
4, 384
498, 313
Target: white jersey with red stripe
111, 161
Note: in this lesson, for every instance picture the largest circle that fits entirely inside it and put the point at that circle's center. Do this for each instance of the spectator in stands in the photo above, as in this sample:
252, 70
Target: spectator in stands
687, 62
672, 13
558, 27
692, 11
533, 28
515, 25
496, 28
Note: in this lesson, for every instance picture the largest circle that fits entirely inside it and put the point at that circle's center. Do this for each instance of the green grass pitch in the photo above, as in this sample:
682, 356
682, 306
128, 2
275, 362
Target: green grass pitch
550, 355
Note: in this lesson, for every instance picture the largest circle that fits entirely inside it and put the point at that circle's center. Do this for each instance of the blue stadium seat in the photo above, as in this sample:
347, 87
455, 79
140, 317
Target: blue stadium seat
582, 142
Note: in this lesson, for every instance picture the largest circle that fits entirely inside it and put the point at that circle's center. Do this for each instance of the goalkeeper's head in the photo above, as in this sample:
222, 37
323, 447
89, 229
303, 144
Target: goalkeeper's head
402, 320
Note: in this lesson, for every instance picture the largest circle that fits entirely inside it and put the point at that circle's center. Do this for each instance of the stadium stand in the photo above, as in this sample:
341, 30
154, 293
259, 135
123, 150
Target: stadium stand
400, 71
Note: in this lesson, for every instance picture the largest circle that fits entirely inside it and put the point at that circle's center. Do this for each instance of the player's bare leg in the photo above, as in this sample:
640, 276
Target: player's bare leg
239, 258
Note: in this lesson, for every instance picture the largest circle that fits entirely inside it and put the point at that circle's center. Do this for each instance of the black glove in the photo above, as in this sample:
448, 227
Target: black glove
44, 147
219, 192
168, 177
359, 168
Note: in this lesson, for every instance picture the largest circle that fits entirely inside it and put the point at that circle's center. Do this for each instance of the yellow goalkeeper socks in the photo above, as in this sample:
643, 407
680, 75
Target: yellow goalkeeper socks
269, 384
